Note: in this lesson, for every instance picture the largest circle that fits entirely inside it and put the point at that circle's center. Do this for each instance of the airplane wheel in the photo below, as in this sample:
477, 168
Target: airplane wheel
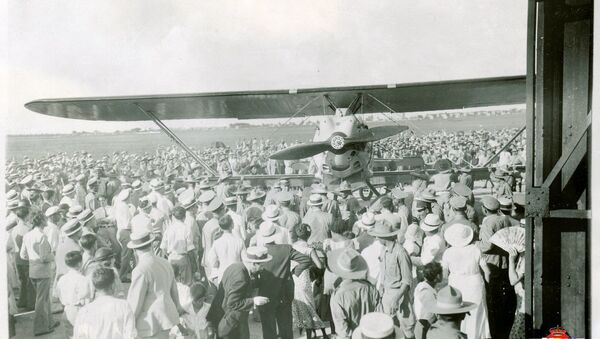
362, 195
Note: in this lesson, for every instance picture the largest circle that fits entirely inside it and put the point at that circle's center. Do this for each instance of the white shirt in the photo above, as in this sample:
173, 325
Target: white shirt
238, 225
225, 251
52, 232
73, 290
122, 215
177, 239
371, 254
433, 248
425, 297
31, 238
106, 317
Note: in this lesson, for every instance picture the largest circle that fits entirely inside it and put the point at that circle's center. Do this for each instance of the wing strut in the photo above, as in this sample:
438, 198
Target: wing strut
176, 139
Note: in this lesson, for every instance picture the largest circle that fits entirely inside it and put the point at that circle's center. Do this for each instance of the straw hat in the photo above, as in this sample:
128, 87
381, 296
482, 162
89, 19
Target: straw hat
74, 211
344, 187
271, 213
141, 238
51, 211
71, 227
383, 229
431, 222
85, 216
319, 189
347, 263
285, 196
187, 199
214, 204
458, 235
206, 196
68, 189
449, 301
367, 220
506, 203
315, 200
255, 195
256, 254
375, 325
462, 190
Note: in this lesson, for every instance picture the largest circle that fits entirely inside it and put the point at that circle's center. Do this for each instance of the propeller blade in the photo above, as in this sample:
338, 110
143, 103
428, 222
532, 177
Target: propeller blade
377, 133
301, 151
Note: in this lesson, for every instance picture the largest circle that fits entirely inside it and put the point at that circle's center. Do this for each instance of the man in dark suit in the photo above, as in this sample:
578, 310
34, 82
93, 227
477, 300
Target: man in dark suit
276, 283
228, 313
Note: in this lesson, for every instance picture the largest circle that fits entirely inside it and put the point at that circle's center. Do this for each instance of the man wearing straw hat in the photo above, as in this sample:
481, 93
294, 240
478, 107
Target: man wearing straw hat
228, 313
20, 210
68, 192
123, 217
152, 295
395, 277
355, 296
450, 310
318, 220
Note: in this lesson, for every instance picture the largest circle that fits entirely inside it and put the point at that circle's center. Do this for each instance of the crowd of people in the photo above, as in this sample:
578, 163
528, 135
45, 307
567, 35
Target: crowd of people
464, 148
140, 246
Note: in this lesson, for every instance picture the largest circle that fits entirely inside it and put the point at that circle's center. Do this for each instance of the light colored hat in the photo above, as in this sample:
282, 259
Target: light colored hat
51, 211
490, 203
80, 177
187, 199
271, 213
156, 183
143, 237
206, 196
255, 195
319, 189
347, 263
267, 232
285, 196
124, 194
256, 254
11, 195
71, 227
214, 204
180, 190
506, 204
367, 220
92, 181
68, 189
228, 201
315, 200
449, 301
458, 235
399, 193
458, 202
26, 180
74, 211
136, 185
204, 184
85, 216
383, 229
431, 222
428, 195
375, 325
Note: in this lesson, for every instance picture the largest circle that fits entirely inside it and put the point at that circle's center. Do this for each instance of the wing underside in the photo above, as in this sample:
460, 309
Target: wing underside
412, 97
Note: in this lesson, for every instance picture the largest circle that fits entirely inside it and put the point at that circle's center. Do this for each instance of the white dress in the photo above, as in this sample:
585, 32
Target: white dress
464, 274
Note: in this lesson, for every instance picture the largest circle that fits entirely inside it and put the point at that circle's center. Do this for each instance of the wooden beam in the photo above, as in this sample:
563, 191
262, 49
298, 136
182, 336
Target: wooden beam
564, 158
570, 214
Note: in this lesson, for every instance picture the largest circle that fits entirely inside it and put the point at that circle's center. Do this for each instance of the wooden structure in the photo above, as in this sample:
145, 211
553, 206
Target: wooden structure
559, 84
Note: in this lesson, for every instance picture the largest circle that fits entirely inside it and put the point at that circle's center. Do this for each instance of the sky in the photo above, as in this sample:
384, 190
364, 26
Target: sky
64, 48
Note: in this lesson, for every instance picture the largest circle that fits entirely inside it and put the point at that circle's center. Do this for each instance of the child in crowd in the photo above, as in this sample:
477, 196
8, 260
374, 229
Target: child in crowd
425, 298
193, 323
73, 290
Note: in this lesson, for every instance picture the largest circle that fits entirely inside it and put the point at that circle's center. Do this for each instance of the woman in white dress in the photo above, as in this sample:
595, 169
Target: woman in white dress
463, 266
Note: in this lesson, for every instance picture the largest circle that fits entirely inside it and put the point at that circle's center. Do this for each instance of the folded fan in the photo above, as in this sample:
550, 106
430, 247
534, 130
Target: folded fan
510, 237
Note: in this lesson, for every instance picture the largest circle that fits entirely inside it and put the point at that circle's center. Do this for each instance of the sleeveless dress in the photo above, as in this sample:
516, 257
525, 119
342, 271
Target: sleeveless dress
464, 274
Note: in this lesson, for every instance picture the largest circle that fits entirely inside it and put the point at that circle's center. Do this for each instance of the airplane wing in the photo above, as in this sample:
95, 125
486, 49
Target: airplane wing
410, 97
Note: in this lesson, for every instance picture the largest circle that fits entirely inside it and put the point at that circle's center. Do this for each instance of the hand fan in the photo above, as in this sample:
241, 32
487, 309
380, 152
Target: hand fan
508, 237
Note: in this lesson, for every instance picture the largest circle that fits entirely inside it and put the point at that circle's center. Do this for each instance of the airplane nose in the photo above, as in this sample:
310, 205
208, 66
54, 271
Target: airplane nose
340, 162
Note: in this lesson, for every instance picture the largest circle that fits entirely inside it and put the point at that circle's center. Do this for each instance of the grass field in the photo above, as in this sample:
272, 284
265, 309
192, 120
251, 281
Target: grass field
37, 146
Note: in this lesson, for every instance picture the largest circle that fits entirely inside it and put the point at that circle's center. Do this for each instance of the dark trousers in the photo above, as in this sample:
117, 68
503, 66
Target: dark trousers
42, 320
26, 290
501, 302
276, 316
240, 332
126, 254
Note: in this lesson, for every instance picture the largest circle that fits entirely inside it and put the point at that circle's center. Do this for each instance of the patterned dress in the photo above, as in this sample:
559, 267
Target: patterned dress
303, 306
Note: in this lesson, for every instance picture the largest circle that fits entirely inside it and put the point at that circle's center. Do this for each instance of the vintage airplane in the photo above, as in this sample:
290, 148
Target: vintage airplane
342, 144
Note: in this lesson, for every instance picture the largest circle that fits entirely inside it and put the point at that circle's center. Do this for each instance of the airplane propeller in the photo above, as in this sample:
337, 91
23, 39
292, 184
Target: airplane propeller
337, 143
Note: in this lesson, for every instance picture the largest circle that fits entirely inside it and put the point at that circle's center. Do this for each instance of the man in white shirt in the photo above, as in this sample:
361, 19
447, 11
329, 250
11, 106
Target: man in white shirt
68, 193
36, 249
162, 203
107, 317
225, 251
73, 290
52, 231
178, 244
123, 217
